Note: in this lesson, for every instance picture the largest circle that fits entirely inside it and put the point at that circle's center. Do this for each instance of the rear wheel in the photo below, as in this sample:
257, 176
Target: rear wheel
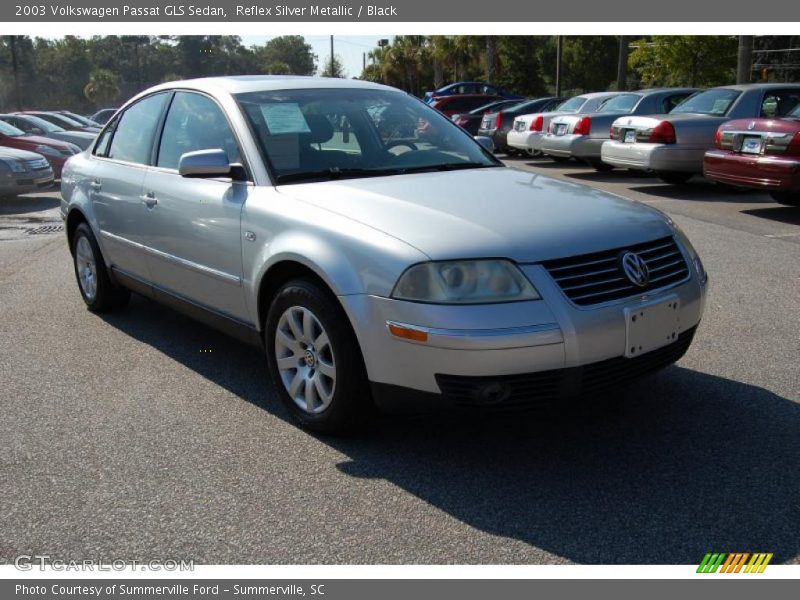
97, 290
314, 359
790, 198
674, 177
600, 166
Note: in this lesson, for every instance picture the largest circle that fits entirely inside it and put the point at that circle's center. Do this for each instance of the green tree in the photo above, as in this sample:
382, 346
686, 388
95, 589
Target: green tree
103, 87
291, 52
333, 70
693, 60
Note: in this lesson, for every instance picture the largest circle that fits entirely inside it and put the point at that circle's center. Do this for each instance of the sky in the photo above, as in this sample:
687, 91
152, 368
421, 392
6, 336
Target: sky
349, 48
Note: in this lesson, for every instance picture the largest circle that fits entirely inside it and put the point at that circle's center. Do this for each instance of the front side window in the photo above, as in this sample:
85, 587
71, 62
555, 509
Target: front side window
195, 122
308, 134
710, 102
133, 134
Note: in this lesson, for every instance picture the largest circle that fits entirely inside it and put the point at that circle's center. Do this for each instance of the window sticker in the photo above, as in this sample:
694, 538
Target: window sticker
285, 117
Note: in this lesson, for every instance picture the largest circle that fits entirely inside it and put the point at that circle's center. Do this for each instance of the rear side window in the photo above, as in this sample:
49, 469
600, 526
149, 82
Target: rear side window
671, 102
622, 103
133, 135
779, 103
195, 122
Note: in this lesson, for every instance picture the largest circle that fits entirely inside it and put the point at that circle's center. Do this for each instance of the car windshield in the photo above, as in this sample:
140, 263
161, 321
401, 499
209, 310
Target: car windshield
81, 120
59, 118
795, 112
45, 126
7, 129
623, 103
710, 102
318, 134
572, 105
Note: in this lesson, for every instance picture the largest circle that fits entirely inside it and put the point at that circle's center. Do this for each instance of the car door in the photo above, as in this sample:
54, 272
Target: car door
120, 160
195, 239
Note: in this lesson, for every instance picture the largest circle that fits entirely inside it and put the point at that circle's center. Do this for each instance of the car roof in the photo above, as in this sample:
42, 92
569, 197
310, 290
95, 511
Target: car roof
239, 84
743, 87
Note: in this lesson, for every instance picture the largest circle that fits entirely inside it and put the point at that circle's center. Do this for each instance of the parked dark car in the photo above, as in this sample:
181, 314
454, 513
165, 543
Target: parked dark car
451, 105
22, 172
759, 153
471, 121
103, 115
496, 125
54, 151
85, 121
470, 88
35, 126
62, 121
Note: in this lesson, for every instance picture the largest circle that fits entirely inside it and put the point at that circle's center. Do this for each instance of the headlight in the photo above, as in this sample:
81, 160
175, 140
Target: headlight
699, 269
48, 150
464, 282
15, 165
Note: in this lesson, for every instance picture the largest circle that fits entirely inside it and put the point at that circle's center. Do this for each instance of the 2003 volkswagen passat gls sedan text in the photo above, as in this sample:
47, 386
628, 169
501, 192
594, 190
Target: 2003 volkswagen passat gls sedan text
373, 267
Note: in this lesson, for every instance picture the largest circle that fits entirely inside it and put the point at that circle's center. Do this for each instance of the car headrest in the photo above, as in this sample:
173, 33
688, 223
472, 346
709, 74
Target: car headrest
321, 129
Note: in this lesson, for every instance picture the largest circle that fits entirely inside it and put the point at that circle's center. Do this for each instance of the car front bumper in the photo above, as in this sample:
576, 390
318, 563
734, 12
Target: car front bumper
25, 183
572, 146
653, 157
769, 172
499, 341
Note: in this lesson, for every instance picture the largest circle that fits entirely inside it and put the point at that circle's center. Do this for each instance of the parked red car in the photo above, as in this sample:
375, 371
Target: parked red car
56, 152
759, 153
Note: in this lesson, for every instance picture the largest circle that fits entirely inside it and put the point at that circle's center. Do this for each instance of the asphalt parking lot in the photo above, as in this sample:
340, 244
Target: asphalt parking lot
143, 435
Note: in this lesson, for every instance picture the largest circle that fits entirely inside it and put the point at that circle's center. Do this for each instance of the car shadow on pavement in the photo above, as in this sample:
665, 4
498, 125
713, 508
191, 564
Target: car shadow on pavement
677, 465
783, 214
20, 205
613, 176
702, 190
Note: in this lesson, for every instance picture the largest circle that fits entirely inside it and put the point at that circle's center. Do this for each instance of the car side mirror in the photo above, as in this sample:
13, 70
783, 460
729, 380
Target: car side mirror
208, 164
486, 142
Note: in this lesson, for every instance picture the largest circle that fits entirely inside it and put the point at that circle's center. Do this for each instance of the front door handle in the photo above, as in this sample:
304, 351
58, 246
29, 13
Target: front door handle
150, 199
95, 184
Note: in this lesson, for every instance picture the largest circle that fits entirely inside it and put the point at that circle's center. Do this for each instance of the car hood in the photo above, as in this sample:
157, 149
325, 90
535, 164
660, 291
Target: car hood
492, 212
7, 152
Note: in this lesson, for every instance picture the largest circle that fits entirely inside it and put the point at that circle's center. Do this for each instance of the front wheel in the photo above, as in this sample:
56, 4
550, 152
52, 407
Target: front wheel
790, 198
674, 177
314, 359
97, 290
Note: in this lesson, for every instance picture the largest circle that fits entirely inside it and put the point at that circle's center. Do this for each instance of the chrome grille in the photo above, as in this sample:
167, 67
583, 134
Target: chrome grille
596, 278
37, 164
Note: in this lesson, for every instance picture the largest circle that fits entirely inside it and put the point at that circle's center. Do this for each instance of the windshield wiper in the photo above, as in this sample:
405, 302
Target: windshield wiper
454, 166
335, 173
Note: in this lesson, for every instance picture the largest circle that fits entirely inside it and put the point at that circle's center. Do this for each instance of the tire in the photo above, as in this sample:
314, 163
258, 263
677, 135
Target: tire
315, 360
674, 177
600, 166
790, 198
96, 288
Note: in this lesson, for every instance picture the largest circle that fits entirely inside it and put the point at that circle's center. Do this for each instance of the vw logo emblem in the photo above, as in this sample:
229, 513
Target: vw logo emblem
750, 125
635, 269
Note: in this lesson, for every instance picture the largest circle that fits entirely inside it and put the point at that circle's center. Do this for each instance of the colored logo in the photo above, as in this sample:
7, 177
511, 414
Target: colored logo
734, 562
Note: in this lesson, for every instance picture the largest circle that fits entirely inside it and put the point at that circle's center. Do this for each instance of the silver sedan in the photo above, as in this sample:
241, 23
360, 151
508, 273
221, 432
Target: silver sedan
373, 268
581, 135
673, 145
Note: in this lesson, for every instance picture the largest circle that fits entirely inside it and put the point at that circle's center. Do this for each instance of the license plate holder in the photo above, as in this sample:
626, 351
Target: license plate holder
651, 326
561, 128
630, 136
751, 145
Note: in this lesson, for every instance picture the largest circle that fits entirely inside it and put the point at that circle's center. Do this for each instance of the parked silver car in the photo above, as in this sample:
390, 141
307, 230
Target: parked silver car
373, 269
673, 145
582, 135
36, 126
22, 172
527, 131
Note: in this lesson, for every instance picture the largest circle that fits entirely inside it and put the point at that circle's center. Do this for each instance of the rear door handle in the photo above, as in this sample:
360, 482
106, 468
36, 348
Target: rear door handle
150, 199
